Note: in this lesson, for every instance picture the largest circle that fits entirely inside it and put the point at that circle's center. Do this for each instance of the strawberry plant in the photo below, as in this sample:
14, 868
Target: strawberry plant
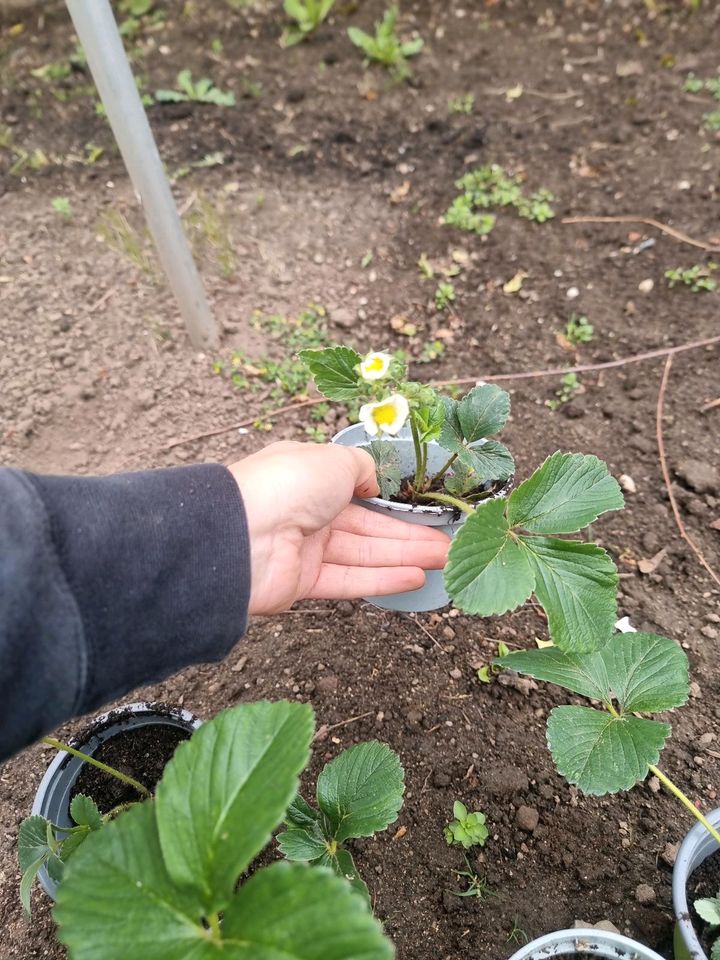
508, 548
609, 748
162, 874
358, 794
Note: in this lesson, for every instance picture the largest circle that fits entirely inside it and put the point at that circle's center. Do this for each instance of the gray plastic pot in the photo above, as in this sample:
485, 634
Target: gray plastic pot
433, 595
52, 799
581, 942
697, 846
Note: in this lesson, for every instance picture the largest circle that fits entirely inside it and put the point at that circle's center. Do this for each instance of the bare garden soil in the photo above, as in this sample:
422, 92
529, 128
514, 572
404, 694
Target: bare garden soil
331, 186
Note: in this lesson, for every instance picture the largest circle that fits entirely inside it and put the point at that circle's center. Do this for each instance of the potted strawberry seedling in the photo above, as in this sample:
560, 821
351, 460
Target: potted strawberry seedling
697, 846
436, 466
612, 747
117, 760
160, 880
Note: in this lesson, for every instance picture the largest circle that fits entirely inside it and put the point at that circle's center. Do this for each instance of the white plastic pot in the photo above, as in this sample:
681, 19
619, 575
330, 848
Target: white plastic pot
52, 799
433, 595
585, 942
697, 846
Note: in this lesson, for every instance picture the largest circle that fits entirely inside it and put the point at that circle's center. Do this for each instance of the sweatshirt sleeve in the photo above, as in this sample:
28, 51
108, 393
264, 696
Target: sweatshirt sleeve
109, 583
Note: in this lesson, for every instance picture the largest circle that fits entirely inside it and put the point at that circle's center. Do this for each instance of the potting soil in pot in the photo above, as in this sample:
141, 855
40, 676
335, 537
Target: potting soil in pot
141, 753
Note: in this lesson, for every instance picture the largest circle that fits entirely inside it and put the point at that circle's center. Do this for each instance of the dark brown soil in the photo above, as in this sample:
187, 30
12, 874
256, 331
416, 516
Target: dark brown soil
331, 164
141, 753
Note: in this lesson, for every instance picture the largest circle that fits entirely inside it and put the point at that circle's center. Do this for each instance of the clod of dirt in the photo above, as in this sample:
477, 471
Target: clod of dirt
527, 819
699, 476
644, 893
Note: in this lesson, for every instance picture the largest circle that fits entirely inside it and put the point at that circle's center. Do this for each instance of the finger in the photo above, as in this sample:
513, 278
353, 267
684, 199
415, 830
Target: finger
357, 551
338, 582
368, 523
366, 484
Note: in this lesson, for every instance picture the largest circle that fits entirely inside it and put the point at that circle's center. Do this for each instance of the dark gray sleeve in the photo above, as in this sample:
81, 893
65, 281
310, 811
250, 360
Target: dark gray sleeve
108, 583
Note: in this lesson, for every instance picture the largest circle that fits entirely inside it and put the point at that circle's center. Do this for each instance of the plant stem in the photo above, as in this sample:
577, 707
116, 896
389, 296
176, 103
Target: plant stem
443, 470
446, 498
214, 924
419, 473
677, 792
59, 745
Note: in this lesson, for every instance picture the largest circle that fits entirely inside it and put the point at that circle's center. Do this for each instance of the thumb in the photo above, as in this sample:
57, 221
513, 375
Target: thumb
366, 484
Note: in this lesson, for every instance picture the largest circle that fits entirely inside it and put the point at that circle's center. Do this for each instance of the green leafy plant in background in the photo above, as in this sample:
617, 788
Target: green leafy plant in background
466, 829
62, 206
509, 547
308, 15
609, 748
162, 874
385, 47
697, 278
490, 187
578, 330
358, 794
463, 104
477, 886
569, 385
444, 295
200, 91
708, 909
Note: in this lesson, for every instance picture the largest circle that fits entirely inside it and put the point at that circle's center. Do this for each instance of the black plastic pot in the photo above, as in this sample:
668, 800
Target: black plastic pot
52, 799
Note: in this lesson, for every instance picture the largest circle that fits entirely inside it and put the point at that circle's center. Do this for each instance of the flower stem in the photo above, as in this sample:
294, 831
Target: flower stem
443, 470
59, 745
419, 472
446, 498
677, 792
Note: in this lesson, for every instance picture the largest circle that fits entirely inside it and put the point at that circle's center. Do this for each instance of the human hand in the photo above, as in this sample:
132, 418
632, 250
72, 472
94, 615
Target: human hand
307, 539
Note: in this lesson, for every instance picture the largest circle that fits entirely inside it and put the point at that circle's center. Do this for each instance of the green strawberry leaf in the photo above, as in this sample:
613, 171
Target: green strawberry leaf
601, 753
343, 865
295, 912
565, 494
303, 843
489, 461
576, 583
32, 841
708, 909
646, 673
300, 814
84, 812
334, 371
483, 412
225, 790
584, 674
361, 791
387, 467
488, 570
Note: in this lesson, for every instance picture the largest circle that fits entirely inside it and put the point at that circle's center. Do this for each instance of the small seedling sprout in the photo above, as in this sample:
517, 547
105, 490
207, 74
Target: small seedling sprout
465, 829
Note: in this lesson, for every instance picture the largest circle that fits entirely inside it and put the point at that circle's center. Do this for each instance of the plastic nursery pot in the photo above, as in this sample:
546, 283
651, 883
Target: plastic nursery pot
53, 796
585, 942
697, 846
433, 595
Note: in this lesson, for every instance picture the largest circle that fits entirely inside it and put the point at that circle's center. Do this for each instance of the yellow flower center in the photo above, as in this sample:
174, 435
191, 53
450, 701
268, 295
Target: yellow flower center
385, 414
375, 365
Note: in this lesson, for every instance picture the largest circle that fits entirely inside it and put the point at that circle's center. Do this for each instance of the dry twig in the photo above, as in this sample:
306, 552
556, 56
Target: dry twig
666, 475
670, 231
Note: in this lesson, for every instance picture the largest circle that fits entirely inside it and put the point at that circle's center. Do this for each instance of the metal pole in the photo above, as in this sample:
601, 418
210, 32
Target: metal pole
96, 27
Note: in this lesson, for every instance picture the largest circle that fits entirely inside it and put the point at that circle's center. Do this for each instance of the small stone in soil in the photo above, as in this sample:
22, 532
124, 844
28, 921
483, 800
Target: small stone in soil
644, 893
527, 818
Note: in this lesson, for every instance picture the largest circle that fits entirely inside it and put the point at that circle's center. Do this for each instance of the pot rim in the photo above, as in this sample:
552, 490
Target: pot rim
697, 842
618, 946
394, 506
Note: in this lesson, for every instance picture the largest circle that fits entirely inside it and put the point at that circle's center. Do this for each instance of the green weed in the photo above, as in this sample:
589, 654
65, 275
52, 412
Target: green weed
490, 187
61, 206
117, 232
697, 278
444, 295
463, 104
578, 330
197, 91
385, 47
308, 15
209, 230
569, 386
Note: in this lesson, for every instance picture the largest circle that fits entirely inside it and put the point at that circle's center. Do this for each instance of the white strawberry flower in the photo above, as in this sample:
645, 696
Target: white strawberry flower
387, 416
375, 366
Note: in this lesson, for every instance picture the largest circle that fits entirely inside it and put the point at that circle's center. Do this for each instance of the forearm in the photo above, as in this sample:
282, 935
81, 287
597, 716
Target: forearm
110, 583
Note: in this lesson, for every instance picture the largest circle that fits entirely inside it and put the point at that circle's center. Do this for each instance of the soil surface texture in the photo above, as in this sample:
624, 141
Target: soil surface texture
323, 186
